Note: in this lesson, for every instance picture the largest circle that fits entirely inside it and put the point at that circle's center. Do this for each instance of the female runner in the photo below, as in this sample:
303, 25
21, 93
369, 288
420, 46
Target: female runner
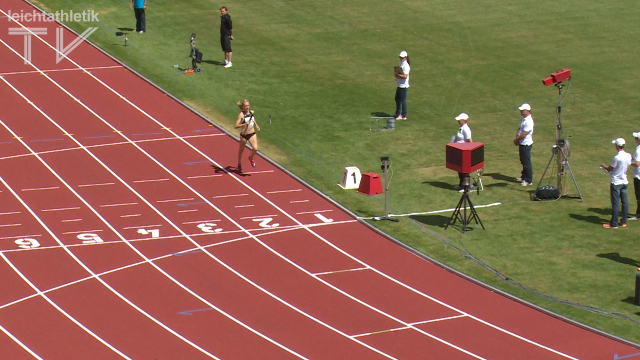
247, 122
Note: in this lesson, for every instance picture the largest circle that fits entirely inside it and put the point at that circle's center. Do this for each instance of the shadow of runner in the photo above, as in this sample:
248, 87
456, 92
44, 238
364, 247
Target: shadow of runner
621, 259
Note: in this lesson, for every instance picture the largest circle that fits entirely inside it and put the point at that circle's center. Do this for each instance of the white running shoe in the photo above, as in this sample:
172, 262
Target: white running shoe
524, 183
228, 65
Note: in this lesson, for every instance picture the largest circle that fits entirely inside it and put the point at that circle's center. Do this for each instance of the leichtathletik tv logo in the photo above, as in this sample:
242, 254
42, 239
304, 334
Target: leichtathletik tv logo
22, 19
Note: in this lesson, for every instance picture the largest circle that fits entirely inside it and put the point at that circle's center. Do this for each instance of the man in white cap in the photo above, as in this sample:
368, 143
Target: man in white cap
401, 73
618, 189
635, 162
524, 142
463, 135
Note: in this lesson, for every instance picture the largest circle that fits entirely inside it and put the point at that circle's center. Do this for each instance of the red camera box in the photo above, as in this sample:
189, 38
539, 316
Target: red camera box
465, 157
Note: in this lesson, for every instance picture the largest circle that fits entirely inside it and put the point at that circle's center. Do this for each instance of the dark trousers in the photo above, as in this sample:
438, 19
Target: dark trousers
525, 159
401, 101
619, 195
141, 21
636, 188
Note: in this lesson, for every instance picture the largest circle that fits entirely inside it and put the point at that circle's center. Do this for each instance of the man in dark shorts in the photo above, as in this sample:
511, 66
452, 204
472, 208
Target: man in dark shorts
138, 7
226, 35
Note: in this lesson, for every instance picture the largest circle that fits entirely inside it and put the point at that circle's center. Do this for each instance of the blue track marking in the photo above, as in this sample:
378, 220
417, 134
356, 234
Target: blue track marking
190, 203
203, 130
6, 142
187, 252
196, 162
189, 312
616, 357
97, 136
40, 140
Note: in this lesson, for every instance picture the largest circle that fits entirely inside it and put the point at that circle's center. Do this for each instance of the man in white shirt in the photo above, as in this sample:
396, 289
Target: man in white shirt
635, 162
618, 189
524, 142
463, 135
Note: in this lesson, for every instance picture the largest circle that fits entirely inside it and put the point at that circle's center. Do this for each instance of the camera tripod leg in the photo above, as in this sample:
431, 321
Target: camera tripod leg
573, 178
553, 155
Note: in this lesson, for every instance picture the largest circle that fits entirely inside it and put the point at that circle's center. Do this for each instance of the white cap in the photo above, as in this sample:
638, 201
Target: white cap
462, 116
525, 107
403, 54
618, 141
636, 135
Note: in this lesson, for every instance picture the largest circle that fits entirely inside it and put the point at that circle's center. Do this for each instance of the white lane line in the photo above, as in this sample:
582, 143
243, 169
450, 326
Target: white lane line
58, 70
256, 217
244, 206
18, 237
42, 188
37, 290
124, 204
150, 180
283, 191
313, 212
200, 221
258, 172
81, 232
20, 343
411, 325
141, 227
106, 144
71, 220
160, 270
11, 213
90, 185
340, 271
132, 215
226, 196
298, 201
203, 176
10, 225
253, 190
173, 200
61, 209
185, 211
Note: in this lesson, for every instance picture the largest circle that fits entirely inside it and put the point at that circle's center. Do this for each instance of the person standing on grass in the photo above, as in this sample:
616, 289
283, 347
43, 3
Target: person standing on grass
247, 122
226, 35
138, 7
401, 73
618, 188
524, 142
463, 135
635, 162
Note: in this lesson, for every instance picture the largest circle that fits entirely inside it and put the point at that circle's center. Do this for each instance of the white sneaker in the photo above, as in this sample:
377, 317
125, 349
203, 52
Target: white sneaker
223, 63
228, 65
524, 183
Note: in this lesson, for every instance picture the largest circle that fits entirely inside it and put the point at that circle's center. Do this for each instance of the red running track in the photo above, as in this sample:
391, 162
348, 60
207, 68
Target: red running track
122, 237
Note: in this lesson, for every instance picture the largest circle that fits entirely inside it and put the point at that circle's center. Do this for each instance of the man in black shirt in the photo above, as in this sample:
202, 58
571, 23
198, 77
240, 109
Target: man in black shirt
226, 35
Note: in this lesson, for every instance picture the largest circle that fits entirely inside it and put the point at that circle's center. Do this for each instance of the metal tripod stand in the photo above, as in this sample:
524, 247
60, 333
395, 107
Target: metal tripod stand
560, 152
385, 167
460, 213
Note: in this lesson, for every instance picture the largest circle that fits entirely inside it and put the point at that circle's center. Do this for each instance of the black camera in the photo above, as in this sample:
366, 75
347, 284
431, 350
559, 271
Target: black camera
385, 163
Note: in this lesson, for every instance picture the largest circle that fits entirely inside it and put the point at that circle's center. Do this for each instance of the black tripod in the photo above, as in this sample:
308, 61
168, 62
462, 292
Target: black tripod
460, 213
560, 152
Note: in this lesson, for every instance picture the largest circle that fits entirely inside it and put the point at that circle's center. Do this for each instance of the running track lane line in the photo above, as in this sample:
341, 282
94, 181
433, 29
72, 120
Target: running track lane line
40, 293
255, 238
17, 341
291, 217
131, 246
180, 253
168, 221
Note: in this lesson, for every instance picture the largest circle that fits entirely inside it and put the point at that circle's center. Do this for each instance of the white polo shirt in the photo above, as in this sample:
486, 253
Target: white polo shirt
463, 134
620, 165
526, 124
636, 157
404, 83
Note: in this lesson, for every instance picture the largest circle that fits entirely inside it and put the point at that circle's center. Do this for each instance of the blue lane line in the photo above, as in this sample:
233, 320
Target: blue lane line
191, 203
97, 136
189, 312
615, 356
6, 142
203, 130
151, 133
39, 140
187, 252
195, 162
